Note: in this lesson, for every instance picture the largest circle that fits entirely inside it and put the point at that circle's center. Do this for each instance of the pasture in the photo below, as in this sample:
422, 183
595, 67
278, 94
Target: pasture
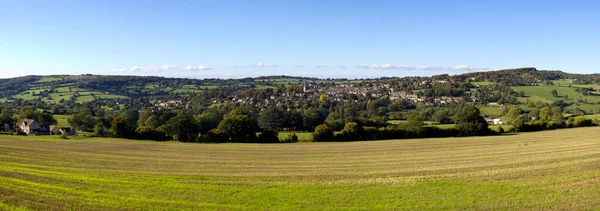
542, 170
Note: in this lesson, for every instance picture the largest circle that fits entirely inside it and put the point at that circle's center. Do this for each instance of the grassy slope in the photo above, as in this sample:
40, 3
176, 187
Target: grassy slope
544, 170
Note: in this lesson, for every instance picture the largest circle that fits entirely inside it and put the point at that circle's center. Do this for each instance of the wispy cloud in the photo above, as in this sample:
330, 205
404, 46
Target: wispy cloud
197, 68
136, 69
260, 64
298, 66
464, 68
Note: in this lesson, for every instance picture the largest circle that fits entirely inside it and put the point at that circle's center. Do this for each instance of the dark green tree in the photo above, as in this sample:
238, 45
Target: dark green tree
271, 119
469, 122
238, 128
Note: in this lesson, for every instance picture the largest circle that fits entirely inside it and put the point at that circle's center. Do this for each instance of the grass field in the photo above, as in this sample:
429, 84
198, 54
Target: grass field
551, 170
543, 93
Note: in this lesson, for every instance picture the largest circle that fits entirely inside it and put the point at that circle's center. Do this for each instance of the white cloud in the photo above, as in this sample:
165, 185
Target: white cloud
167, 67
197, 68
136, 69
465, 68
260, 64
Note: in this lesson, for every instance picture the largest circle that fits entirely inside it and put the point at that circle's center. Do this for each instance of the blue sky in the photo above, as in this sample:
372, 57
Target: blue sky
323, 38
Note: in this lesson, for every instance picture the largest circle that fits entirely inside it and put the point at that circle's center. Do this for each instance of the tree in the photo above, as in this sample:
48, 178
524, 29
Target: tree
351, 131
123, 127
554, 93
83, 120
469, 122
544, 114
442, 116
513, 115
271, 119
150, 133
323, 133
144, 115
209, 120
238, 128
414, 123
152, 121
181, 127
323, 98
293, 120
556, 115
312, 118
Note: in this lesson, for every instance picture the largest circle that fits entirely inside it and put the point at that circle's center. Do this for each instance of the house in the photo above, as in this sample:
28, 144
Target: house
69, 131
44, 130
54, 129
29, 126
496, 121
499, 122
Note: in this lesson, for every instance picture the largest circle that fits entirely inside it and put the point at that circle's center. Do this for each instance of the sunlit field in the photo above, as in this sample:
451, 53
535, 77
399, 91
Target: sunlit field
557, 170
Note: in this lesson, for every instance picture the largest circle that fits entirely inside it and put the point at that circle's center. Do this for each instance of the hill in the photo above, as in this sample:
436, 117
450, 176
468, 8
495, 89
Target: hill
541, 170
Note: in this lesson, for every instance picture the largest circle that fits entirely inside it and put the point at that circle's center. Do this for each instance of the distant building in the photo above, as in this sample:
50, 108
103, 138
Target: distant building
69, 131
29, 126
496, 121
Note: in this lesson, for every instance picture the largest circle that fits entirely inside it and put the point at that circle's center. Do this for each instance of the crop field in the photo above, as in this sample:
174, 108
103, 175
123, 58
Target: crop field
558, 170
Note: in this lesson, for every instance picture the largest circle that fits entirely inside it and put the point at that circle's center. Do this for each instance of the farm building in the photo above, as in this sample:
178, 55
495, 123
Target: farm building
69, 131
31, 126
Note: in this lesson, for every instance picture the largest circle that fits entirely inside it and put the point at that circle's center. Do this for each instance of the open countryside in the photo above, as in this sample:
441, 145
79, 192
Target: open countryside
299, 105
540, 170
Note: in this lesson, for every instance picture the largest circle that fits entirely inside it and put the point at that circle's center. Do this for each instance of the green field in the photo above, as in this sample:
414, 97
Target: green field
62, 120
551, 170
543, 93
302, 136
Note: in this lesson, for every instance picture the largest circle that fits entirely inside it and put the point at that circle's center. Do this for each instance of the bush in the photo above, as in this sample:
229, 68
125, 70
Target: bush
351, 132
149, 133
19, 133
64, 136
323, 133
501, 130
582, 122
213, 136
292, 138
268, 136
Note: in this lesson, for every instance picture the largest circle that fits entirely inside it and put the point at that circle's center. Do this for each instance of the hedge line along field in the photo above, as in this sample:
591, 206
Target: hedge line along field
557, 170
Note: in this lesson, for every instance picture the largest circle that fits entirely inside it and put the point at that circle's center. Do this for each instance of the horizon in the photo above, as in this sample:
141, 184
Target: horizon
288, 76
320, 39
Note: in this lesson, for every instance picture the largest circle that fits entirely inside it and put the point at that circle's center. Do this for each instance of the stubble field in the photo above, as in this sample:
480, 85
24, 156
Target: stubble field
558, 170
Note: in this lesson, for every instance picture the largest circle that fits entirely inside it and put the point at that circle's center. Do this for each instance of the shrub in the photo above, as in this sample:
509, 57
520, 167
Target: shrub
582, 122
213, 136
501, 130
351, 132
268, 136
19, 133
64, 136
291, 138
149, 133
323, 133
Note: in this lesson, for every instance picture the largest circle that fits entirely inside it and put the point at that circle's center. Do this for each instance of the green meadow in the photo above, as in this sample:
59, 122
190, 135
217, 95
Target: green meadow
550, 170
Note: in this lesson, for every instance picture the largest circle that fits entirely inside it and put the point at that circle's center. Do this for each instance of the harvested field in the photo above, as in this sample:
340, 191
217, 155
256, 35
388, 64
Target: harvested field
558, 170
